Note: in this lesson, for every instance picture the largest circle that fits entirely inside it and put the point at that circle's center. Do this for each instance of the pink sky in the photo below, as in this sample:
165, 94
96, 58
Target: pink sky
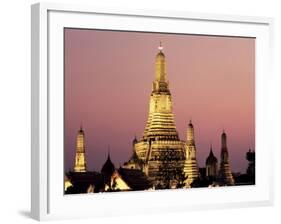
108, 81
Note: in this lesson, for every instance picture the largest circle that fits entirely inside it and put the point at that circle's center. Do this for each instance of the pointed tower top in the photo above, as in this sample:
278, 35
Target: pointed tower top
135, 140
160, 71
211, 158
190, 134
108, 167
223, 133
108, 152
81, 128
81, 124
160, 48
190, 124
160, 55
223, 140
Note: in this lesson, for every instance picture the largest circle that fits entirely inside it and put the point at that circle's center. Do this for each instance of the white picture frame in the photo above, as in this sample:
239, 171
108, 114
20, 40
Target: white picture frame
47, 198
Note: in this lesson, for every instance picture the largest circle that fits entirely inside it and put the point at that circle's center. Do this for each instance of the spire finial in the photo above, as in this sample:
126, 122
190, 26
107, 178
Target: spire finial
160, 48
135, 140
108, 151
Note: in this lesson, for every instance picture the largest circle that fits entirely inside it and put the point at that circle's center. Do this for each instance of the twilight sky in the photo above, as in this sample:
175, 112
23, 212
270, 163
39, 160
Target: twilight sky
108, 81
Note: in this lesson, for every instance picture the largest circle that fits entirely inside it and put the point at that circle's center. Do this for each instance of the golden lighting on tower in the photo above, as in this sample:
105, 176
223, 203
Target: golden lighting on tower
80, 161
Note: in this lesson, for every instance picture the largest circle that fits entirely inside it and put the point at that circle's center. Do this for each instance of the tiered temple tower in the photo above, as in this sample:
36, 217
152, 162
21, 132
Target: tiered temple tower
190, 165
211, 165
225, 175
80, 159
160, 148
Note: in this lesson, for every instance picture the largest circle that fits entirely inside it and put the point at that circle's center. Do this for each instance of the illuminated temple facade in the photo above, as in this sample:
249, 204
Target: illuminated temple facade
161, 153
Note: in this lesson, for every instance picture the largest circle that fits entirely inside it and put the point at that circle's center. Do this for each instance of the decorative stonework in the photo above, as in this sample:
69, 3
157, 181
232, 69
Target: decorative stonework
160, 148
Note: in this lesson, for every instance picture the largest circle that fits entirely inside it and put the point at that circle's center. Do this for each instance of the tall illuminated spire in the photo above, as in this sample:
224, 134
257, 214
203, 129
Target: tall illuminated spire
225, 174
160, 119
80, 160
160, 84
160, 147
190, 134
190, 165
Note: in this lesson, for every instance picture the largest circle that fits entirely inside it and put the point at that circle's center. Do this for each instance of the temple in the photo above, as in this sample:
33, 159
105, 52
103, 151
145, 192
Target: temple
80, 180
211, 165
160, 149
159, 158
225, 175
80, 161
107, 170
190, 167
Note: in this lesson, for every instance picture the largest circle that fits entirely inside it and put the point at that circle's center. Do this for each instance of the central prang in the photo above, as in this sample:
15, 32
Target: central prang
163, 157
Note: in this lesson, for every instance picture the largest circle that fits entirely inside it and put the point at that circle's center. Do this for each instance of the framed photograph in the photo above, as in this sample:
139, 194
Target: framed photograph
137, 111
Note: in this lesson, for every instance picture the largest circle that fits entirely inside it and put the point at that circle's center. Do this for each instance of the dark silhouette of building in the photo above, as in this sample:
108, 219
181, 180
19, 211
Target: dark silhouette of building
82, 181
247, 178
211, 165
107, 170
250, 156
134, 179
